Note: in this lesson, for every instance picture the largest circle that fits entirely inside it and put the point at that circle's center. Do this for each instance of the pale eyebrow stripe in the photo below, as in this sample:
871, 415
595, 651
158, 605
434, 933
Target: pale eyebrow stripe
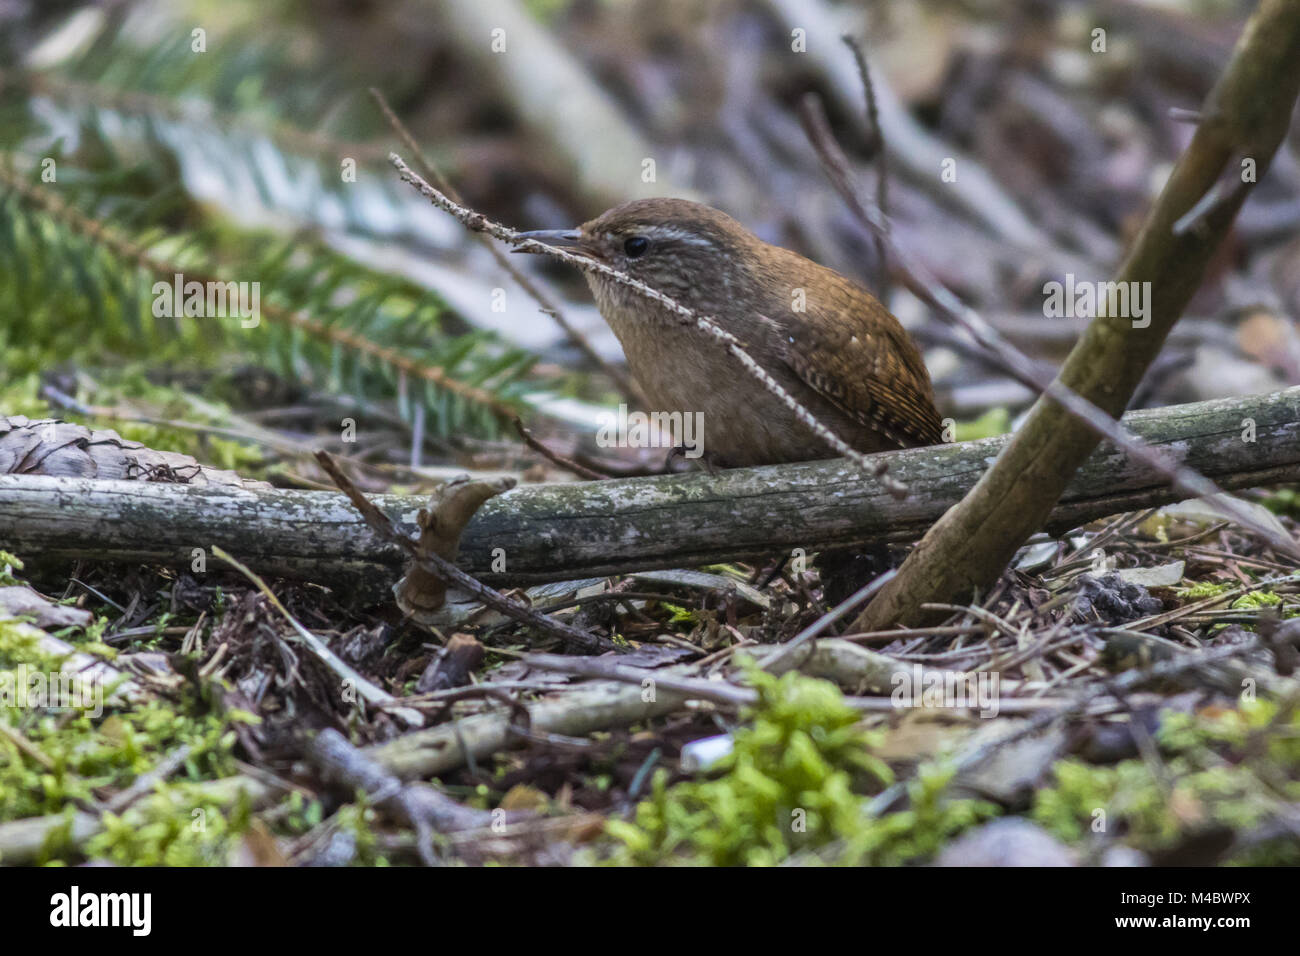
678, 235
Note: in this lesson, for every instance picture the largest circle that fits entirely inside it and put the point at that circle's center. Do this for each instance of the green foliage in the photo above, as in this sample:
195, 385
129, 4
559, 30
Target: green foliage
931, 820
1205, 589
1257, 599
546, 11
21, 396
54, 757
1250, 601
1284, 501
793, 784
9, 563
679, 614
21, 644
87, 754
166, 829
121, 125
302, 814
1237, 768
359, 820
996, 421
104, 312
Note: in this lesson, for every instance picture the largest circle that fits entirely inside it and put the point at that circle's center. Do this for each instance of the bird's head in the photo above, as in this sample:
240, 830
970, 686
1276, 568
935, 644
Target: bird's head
697, 255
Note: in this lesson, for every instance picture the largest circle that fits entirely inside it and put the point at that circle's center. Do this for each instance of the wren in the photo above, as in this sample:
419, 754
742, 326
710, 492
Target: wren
824, 338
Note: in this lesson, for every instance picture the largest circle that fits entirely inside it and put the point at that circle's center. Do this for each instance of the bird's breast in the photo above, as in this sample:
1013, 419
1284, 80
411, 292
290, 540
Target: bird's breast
682, 369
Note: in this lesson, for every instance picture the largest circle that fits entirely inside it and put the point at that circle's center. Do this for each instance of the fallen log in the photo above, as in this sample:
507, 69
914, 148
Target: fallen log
563, 531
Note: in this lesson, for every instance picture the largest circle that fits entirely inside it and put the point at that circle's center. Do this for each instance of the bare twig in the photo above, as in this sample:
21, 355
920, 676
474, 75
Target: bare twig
544, 302
582, 471
147, 781
1247, 113
719, 692
882, 165
729, 694
419, 805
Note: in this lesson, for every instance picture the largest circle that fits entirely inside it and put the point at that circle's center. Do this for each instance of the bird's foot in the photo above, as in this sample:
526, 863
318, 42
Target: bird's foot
677, 461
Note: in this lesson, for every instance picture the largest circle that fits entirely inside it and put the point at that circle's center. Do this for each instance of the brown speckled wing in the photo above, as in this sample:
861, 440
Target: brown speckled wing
865, 364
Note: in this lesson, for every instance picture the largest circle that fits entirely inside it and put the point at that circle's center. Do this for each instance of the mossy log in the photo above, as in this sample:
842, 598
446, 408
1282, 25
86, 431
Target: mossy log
584, 529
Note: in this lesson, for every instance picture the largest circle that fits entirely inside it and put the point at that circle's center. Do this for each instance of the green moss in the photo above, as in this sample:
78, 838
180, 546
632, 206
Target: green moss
794, 783
9, 563
21, 645
679, 614
1257, 599
166, 829
131, 388
361, 821
1235, 768
85, 755
53, 758
1205, 589
302, 814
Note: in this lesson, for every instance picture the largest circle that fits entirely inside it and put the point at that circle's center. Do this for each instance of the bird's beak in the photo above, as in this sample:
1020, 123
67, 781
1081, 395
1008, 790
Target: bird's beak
564, 238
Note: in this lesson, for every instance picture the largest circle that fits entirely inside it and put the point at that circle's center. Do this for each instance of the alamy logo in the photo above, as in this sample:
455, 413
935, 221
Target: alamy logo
28, 687
1087, 300
208, 300
683, 430
925, 687
75, 908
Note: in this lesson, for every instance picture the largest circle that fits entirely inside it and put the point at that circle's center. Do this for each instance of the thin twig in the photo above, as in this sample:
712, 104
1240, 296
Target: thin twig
719, 692
882, 165
544, 302
146, 781
582, 471
723, 692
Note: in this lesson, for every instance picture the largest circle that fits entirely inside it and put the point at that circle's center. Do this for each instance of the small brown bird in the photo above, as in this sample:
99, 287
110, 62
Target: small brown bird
827, 340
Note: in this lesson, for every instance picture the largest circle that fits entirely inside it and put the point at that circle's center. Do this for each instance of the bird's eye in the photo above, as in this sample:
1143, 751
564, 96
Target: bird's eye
635, 246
